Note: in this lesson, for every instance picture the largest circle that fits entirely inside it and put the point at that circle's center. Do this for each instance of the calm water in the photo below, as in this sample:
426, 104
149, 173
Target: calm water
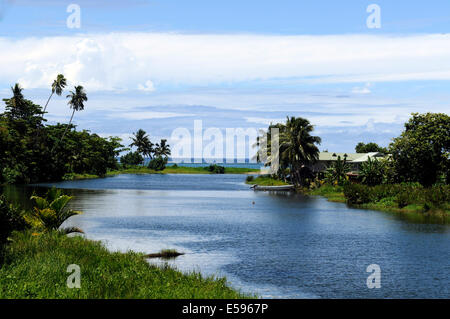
277, 246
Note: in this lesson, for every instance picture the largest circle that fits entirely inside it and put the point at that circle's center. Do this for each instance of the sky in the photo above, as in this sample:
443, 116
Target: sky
161, 65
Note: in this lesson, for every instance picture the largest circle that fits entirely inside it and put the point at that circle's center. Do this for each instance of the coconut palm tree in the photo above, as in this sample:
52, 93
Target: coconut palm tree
76, 103
142, 142
57, 87
297, 146
162, 149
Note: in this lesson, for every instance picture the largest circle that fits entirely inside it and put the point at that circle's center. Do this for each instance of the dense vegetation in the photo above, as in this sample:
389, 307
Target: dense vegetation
414, 176
35, 253
31, 151
35, 267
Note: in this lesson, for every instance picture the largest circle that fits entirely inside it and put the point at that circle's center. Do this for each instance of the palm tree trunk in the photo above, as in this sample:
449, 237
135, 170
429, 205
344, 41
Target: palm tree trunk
45, 107
65, 131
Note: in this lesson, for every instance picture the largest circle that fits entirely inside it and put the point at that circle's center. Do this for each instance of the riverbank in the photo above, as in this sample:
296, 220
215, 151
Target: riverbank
36, 267
167, 170
417, 211
264, 180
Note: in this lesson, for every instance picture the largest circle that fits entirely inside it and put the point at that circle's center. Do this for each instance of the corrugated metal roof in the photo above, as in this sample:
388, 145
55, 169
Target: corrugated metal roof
351, 157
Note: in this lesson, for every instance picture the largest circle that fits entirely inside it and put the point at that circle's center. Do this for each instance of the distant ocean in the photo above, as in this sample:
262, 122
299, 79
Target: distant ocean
226, 163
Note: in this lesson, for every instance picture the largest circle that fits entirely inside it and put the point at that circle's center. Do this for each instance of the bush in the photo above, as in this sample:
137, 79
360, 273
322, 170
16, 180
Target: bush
11, 219
216, 169
158, 163
131, 158
249, 178
357, 194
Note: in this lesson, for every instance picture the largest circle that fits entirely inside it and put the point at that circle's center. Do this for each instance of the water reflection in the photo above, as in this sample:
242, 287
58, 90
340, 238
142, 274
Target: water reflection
276, 245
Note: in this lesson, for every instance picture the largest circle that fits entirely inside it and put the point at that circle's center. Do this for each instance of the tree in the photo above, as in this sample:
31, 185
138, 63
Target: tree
57, 87
421, 152
142, 142
297, 148
162, 149
372, 172
337, 172
20, 110
370, 147
131, 158
76, 103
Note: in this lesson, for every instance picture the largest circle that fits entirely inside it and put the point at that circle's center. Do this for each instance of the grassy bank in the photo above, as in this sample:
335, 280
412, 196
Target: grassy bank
36, 267
264, 180
416, 208
167, 170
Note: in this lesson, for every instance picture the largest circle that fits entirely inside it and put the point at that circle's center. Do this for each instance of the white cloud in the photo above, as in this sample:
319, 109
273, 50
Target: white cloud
362, 90
118, 61
147, 87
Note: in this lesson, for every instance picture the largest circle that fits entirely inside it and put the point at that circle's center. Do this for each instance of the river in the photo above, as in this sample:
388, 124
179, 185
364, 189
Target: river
272, 245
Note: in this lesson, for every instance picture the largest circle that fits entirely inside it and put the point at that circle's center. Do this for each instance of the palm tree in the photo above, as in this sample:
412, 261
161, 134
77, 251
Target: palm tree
162, 149
337, 172
57, 87
297, 146
50, 213
76, 103
142, 142
16, 103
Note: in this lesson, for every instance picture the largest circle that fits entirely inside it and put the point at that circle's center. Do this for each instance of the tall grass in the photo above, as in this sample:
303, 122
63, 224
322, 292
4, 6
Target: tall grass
35, 267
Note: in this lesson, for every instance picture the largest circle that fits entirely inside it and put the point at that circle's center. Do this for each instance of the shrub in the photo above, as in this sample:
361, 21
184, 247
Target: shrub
249, 178
131, 158
158, 163
11, 219
357, 194
403, 199
216, 169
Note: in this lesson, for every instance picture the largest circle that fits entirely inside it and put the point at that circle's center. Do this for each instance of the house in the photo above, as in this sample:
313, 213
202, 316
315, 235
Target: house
353, 159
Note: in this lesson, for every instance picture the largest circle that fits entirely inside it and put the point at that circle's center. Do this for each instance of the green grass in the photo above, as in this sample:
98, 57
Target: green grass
35, 267
265, 180
332, 193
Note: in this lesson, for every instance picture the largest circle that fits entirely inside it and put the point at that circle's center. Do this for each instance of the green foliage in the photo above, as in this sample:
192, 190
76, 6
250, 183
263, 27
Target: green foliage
372, 172
437, 197
357, 194
336, 174
249, 178
11, 219
158, 163
370, 147
215, 169
51, 212
297, 148
266, 180
31, 152
131, 158
421, 153
142, 142
162, 149
36, 267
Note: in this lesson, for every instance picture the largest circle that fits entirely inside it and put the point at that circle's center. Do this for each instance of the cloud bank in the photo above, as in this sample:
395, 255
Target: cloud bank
130, 61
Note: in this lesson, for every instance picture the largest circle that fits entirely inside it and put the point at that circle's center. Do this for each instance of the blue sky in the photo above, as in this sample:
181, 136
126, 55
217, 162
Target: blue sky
160, 65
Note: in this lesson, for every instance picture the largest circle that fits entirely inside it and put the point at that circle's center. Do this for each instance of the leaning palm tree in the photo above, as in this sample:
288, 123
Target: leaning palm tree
57, 87
76, 103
